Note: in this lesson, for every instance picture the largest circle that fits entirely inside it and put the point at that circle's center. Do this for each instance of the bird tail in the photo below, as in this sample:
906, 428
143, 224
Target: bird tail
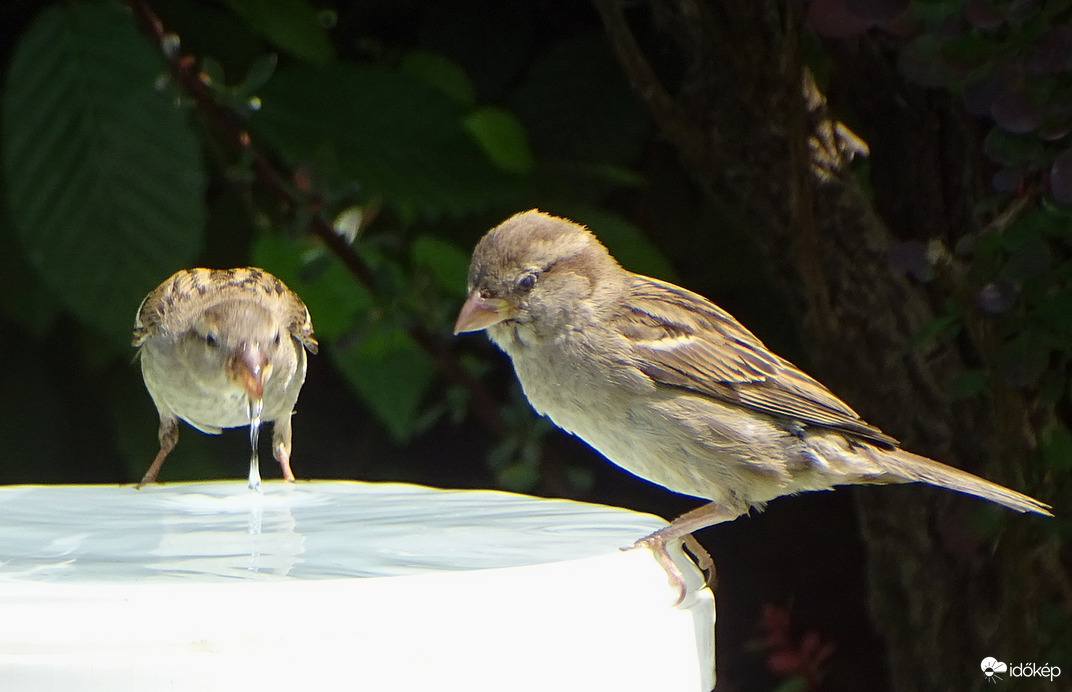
915, 468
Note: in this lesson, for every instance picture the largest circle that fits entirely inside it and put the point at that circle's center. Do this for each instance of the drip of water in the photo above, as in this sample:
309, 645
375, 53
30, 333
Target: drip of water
255, 408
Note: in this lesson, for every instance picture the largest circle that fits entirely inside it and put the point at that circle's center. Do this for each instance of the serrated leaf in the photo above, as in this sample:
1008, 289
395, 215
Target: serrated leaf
502, 137
401, 140
293, 25
104, 176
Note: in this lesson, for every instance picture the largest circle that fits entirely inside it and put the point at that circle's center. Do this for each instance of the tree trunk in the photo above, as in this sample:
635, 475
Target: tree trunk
749, 127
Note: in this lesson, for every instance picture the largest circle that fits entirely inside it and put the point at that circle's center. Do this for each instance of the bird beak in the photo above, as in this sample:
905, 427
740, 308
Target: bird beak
479, 313
250, 369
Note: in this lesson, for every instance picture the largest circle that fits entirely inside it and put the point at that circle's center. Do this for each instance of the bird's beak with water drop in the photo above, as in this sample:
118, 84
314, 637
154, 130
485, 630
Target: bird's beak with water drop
479, 313
249, 368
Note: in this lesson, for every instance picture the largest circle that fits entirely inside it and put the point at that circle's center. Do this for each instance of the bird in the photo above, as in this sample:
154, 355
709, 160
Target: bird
670, 387
216, 346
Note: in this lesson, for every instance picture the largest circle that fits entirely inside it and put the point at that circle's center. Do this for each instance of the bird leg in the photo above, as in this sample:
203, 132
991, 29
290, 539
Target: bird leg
282, 455
169, 437
681, 528
281, 446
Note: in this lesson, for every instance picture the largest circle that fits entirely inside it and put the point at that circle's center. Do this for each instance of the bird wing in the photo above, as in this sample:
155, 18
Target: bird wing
173, 304
686, 341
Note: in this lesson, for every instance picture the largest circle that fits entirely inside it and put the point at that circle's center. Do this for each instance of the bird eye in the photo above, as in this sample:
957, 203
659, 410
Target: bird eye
211, 340
525, 282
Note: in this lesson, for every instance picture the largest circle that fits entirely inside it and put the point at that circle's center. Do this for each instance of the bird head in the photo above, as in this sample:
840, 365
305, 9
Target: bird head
245, 341
532, 268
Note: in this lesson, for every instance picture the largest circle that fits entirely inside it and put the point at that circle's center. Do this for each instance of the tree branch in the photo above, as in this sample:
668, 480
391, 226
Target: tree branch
689, 141
272, 177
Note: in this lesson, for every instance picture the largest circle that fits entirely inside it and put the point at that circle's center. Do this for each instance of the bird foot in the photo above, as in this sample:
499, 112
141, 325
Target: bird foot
657, 545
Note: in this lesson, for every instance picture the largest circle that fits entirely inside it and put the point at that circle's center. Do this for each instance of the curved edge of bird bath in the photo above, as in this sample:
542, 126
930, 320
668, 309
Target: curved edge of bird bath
208, 586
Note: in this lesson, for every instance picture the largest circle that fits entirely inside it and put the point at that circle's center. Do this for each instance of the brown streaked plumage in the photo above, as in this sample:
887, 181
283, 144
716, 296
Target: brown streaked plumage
671, 387
211, 341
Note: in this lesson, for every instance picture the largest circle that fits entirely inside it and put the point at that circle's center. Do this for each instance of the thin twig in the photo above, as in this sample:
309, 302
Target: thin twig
683, 134
273, 176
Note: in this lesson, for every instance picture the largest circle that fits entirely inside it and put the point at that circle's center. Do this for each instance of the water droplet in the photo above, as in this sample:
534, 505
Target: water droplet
255, 409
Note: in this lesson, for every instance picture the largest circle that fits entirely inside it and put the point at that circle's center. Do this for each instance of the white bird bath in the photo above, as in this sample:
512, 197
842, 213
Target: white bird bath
330, 585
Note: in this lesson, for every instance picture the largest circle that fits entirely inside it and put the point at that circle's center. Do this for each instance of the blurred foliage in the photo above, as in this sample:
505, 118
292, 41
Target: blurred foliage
411, 128
403, 138
1010, 64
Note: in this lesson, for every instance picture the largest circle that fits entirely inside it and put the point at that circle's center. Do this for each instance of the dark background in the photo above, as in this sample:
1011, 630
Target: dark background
927, 282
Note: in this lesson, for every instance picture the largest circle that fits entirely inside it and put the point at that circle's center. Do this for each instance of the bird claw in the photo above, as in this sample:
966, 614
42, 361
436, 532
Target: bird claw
657, 545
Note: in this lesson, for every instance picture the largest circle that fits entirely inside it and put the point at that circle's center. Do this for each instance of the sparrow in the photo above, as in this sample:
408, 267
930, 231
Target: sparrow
217, 346
672, 388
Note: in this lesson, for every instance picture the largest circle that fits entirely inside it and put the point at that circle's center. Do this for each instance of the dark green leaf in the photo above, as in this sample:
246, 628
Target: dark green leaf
603, 122
398, 138
441, 73
492, 41
1028, 260
391, 373
259, 73
104, 176
381, 362
447, 263
293, 25
502, 137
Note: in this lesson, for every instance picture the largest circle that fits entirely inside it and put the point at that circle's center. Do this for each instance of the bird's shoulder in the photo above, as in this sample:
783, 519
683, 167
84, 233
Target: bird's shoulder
683, 340
175, 303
